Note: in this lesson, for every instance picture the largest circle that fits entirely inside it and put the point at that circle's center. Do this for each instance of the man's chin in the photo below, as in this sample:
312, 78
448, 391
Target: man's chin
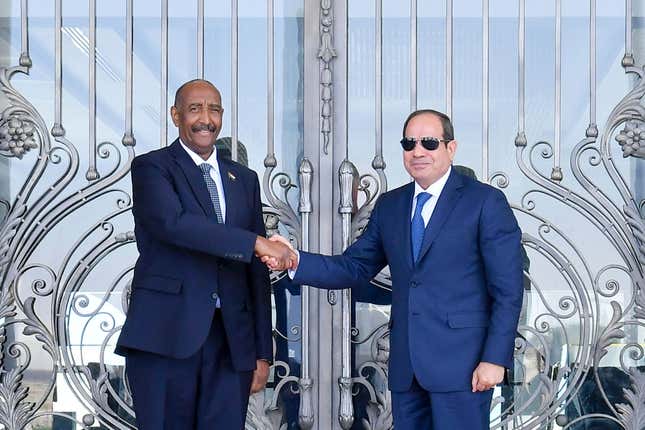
205, 142
201, 147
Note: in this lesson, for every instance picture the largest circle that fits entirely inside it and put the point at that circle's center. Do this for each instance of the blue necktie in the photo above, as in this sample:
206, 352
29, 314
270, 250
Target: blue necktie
212, 190
418, 227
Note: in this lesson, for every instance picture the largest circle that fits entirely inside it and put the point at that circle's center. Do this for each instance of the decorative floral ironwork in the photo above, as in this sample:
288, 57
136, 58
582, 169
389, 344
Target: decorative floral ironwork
632, 413
14, 410
37, 208
17, 137
632, 139
373, 378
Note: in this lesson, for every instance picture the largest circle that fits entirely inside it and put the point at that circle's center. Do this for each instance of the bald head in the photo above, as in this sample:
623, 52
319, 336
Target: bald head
180, 91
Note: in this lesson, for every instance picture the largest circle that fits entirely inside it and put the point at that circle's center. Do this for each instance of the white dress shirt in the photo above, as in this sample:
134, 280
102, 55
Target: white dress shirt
435, 190
214, 172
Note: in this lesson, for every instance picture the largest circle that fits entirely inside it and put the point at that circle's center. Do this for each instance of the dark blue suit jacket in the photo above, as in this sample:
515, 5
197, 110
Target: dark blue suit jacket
460, 303
186, 256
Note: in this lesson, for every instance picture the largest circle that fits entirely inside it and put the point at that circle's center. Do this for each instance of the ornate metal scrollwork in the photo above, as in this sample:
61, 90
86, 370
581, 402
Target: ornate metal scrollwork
37, 209
326, 53
287, 216
271, 416
373, 378
621, 224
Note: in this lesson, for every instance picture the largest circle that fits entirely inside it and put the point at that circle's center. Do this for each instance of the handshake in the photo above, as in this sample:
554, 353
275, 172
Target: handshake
276, 252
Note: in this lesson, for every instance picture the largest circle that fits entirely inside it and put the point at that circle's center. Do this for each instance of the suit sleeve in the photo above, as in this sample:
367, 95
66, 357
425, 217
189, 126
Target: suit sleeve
500, 245
356, 266
258, 279
158, 209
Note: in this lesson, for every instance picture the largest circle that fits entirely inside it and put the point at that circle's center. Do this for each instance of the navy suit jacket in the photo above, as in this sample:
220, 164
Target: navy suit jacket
185, 256
460, 303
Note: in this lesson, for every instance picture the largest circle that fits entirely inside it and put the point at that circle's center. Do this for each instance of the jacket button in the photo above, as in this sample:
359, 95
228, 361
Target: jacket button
214, 296
414, 284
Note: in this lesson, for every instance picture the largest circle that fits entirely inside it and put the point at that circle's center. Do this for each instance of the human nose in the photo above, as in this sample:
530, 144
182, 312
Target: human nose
204, 116
418, 149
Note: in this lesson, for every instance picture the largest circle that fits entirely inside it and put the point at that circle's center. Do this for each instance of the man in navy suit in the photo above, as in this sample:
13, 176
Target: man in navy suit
453, 247
197, 337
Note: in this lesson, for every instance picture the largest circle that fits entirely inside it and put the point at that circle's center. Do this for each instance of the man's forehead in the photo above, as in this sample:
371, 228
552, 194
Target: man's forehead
426, 120
200, 92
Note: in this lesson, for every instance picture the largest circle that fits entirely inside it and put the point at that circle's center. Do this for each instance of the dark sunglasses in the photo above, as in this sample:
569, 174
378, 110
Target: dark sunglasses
429, 143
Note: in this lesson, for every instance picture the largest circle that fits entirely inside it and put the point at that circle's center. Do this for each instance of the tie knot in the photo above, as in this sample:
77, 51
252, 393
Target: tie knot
206, 168
422, 198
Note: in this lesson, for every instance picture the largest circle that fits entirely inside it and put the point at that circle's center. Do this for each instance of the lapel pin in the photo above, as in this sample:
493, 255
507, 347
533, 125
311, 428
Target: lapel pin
231, 176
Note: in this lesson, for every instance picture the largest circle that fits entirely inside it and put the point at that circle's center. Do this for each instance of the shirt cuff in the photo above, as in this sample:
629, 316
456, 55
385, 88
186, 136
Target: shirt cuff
292, 272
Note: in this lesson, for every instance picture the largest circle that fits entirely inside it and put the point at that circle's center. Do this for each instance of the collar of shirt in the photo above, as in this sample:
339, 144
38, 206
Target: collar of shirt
434, 189
212, 160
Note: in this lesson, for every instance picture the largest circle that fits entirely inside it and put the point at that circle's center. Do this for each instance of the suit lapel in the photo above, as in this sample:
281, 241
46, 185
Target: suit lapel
447, 201
232, 189
404, 211
194, 176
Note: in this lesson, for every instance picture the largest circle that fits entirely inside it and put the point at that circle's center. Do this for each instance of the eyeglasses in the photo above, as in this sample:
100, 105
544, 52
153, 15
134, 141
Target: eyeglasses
429, 143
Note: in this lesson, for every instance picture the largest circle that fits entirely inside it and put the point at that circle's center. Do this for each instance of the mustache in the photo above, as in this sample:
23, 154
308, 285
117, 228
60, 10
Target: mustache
203, 127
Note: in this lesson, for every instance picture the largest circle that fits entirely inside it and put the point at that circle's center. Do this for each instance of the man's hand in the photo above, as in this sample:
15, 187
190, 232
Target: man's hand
260, 376
276, 264
486, 376
275, 254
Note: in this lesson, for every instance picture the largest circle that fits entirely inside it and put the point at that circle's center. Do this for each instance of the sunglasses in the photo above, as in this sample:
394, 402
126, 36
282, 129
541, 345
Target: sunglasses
429, 143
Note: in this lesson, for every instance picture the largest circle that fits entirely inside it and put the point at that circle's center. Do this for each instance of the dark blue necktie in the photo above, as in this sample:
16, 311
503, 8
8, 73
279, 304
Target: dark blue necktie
418, 227
212, 190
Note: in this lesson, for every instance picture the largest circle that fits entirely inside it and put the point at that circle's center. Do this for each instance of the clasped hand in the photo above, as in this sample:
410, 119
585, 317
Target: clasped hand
276, 252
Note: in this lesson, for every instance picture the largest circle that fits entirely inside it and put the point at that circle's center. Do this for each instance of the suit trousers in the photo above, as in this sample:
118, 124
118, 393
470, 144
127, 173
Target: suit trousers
418, 409
201, 392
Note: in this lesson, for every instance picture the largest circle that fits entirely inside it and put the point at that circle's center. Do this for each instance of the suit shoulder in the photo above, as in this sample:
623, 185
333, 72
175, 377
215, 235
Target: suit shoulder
393, 195
482, 192
475, 185
156, 156
398, 191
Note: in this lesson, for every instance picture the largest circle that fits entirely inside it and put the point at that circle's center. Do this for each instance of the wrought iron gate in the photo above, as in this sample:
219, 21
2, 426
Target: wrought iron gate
548, 104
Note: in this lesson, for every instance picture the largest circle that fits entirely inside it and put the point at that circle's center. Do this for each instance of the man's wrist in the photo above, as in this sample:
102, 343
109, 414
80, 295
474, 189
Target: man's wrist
292, 272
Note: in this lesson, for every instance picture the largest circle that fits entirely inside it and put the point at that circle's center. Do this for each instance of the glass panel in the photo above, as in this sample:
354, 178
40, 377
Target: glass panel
70, 259
579, 341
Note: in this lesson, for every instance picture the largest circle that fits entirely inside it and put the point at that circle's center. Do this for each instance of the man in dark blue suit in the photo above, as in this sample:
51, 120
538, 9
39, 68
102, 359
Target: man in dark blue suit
453, 247
197, 337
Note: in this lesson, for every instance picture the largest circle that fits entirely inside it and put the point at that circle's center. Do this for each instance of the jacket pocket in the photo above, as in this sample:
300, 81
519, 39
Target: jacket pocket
161, 284
468, 319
